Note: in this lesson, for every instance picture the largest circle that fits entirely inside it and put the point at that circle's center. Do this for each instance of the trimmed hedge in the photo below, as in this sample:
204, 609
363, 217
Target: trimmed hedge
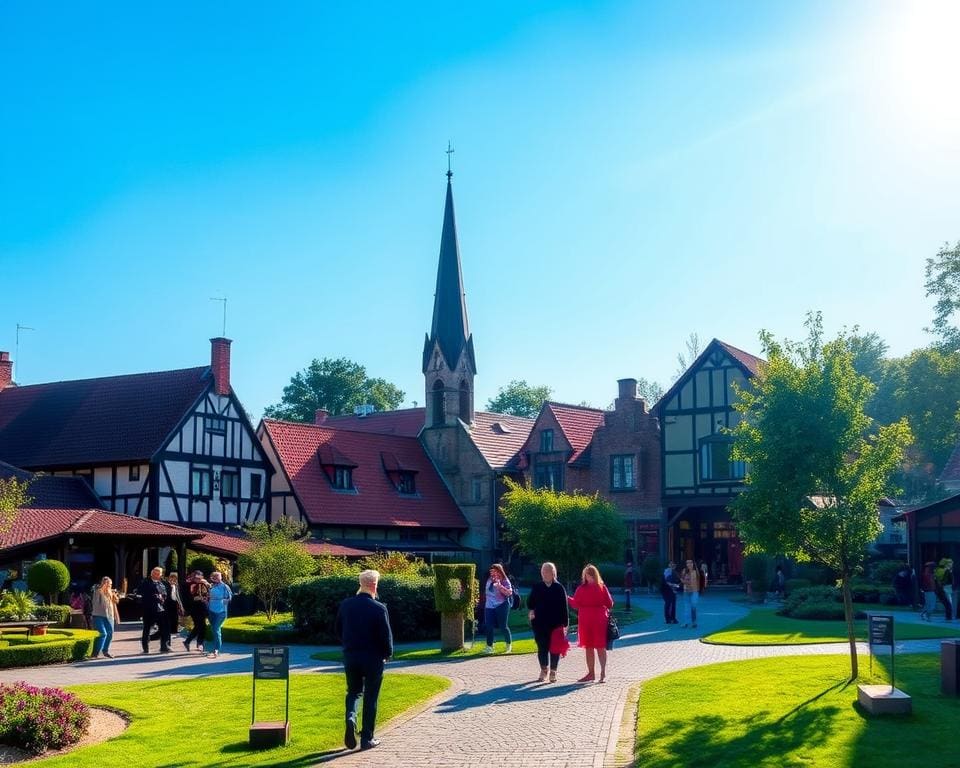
410, 599
55, 647
255, 630
455, 588
56, 614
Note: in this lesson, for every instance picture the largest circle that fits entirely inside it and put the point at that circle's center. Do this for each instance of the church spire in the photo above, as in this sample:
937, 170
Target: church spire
450, 329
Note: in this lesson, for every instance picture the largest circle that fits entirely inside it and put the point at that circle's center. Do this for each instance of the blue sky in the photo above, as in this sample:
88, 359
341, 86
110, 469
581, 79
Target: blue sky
625, 174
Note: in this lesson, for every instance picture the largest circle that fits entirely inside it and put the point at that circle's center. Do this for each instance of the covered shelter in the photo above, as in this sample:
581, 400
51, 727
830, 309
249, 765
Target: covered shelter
933, 531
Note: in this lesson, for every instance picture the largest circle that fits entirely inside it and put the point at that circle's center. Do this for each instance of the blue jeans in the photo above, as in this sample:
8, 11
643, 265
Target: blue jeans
101, 643
496, 618
688, 607
216, 624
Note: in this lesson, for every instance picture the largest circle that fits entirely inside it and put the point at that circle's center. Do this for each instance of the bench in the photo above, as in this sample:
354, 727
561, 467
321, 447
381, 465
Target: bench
32, 627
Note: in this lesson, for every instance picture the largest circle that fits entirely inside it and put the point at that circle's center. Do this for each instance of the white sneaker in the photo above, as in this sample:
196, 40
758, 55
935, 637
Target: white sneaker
488, 650
509, 648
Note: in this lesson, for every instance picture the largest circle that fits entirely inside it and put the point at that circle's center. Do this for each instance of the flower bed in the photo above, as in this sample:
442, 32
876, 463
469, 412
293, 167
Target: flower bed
38, 719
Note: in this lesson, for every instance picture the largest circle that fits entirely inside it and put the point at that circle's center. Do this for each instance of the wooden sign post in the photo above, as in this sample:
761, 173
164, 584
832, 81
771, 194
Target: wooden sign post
270, 663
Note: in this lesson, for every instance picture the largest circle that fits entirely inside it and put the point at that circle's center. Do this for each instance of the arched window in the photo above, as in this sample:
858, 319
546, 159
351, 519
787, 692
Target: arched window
464, 402
437, 404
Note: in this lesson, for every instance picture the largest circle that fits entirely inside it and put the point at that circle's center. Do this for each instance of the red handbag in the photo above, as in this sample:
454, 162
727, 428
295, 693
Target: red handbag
558, 642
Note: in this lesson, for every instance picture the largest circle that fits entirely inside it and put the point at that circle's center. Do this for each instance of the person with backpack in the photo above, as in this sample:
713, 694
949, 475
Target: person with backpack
497, 595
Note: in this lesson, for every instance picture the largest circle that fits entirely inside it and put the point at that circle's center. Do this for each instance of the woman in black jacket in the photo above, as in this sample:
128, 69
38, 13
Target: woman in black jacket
547, 606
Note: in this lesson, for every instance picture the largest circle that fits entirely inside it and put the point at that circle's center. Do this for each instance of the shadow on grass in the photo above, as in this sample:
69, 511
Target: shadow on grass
714, 740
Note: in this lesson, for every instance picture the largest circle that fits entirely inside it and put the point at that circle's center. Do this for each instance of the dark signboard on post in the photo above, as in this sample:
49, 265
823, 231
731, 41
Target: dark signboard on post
881, 630
271, 663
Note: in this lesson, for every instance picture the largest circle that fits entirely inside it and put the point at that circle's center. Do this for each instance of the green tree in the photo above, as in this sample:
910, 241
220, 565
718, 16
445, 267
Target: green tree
48, 577
569, 529
687, 358
817, 468
277, 558
650, 390
13, 496
869, 355
337, 386
519, 399
943, 283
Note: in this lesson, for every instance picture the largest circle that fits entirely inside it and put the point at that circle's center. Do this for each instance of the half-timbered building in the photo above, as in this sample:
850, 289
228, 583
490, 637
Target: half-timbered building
699, 475
173, 446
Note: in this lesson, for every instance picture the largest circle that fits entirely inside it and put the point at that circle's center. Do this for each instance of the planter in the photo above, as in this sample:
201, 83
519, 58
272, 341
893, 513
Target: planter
40, 629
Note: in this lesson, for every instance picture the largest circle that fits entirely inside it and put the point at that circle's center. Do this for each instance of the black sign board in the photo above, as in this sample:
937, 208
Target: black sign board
271, 663
881, 630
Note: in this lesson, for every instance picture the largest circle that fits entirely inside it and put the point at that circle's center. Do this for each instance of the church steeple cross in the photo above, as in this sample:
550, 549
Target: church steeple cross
450, 151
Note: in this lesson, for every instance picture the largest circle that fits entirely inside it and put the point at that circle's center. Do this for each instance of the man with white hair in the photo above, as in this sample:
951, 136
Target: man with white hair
363, 626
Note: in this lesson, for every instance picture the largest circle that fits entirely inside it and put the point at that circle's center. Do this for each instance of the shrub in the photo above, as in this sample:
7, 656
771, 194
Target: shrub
794, 584
410, 599
257, 629
55, 614
48, 577
823, 610
17, 605
793, 605
881, 572
395, 563
331, 565
38, 719
817, 574
869, 592
455, 588
55, 647
651, 571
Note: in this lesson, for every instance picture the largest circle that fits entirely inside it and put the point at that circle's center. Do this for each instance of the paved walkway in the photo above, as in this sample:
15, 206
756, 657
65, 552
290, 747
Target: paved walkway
494, 713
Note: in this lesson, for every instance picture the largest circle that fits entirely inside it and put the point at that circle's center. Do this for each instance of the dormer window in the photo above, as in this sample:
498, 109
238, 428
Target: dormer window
407, 483
401, 474
546, 441
343, 478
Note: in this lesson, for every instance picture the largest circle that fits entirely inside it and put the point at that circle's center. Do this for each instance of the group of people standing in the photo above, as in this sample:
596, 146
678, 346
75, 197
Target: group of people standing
164, 604
684, 586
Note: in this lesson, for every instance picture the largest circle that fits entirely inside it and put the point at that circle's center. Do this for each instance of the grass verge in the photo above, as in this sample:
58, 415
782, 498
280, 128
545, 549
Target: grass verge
789, 712
210, 729
764, 627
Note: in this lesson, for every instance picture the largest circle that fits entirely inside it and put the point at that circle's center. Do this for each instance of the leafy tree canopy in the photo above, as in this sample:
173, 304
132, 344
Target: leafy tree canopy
943, 283
817, 466
276, 559
570, 530
13, 495
519, 399
337, 386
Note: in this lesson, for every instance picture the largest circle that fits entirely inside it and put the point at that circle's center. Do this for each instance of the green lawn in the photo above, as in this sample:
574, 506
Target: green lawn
764, 627
791, 712
520, 646
203, 722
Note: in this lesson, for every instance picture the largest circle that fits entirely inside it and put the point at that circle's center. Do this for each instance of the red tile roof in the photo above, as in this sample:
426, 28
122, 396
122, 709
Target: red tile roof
751, 362
499, 436
578, 424
951, 470
88, 421
49, 492
234, 545
31, 526
406, 422
376, 501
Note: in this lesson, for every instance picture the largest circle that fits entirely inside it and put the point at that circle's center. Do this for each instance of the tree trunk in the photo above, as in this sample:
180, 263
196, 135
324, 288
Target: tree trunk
451, 631
851, 632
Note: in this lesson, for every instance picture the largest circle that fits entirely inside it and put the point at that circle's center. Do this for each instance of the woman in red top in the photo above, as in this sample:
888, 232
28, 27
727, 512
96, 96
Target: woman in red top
592, 602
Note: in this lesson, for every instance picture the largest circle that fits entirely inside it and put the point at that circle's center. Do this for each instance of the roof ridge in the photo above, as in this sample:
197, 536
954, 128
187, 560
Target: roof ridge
21, 387
738, 349
506, 415
577, 407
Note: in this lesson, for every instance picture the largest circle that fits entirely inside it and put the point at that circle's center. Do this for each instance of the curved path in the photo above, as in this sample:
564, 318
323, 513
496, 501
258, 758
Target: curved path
494, 713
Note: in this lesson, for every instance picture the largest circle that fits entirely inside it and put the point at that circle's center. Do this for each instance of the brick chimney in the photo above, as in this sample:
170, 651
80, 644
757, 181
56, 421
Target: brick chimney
6, 370
627, 391
220, 364
320, 416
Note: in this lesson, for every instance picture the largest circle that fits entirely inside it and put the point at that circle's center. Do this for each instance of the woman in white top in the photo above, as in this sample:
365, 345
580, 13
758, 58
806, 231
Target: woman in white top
105, 615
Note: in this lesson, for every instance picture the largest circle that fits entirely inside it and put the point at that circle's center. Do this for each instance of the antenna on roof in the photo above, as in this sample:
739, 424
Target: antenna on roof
224, 300
16, 349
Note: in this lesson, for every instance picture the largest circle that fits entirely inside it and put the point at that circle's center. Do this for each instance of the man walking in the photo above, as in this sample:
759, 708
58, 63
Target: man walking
153, 593
363, 626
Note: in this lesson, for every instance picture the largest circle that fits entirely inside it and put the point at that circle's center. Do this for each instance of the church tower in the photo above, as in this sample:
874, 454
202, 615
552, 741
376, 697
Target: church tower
449, 366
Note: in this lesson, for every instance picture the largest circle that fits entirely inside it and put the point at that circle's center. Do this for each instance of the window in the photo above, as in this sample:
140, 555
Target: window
476, 490
133, 472
623, 476
407, 483
200, 483
437, 403
549, 476
229, 485
546, 441
464, 402
343, 478
715, 462
215, 424
256, 486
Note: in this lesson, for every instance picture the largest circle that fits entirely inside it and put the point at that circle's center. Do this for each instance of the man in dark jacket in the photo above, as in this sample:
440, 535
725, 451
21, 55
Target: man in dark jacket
363, 626
669, 586
153, 593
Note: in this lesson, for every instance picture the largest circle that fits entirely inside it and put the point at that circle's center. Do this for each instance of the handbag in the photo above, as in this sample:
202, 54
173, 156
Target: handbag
613, 631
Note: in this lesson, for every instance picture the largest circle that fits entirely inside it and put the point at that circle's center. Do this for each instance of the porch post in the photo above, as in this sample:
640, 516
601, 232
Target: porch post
182, 561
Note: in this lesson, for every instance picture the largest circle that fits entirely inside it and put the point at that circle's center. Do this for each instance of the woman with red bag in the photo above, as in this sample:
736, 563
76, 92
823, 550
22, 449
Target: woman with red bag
592, 602
549, 617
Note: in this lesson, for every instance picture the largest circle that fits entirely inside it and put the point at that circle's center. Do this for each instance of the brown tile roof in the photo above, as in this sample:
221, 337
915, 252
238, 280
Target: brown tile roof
499, 436
88, 421
751, 362
50, 492
234, 545
578, 423
406, 422
376, 502
31, 526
